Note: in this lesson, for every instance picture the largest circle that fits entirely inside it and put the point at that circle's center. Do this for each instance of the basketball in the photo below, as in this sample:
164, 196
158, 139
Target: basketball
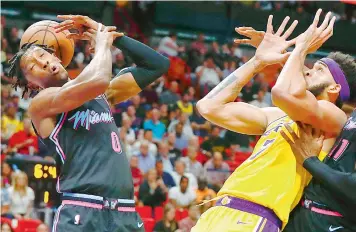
44, 33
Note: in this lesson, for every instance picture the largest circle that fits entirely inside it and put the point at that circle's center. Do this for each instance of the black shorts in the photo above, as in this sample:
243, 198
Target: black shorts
78, 214
305, 220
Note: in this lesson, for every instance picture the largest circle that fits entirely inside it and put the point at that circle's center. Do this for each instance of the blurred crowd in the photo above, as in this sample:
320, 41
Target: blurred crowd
177, 158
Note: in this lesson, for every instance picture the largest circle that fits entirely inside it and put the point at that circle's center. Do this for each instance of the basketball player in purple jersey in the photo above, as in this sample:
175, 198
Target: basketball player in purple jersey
74, 115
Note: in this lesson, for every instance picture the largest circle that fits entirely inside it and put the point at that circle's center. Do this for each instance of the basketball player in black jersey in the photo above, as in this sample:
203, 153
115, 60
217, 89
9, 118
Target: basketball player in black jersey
74, 115
329, 202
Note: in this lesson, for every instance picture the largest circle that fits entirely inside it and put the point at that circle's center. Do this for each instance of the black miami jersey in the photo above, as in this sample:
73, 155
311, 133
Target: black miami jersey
91, 156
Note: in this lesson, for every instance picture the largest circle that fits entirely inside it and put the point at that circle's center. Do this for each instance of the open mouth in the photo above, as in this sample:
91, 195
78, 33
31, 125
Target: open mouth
54, 69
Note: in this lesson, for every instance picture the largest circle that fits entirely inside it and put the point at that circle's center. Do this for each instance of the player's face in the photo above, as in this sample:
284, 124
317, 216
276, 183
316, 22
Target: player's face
43, 69
318, 78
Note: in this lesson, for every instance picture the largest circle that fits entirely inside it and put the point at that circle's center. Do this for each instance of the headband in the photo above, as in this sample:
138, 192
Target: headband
339, 77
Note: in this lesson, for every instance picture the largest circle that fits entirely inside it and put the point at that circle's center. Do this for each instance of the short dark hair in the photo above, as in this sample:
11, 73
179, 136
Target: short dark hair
348, 66
15, 69
184, 178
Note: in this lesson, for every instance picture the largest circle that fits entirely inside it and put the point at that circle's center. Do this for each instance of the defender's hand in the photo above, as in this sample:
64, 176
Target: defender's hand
255, 37
308, 144
273, 46
314, 37
78, 22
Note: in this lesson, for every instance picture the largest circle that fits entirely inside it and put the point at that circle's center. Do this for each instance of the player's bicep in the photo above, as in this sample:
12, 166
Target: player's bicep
56, 100
122, 87
236, 116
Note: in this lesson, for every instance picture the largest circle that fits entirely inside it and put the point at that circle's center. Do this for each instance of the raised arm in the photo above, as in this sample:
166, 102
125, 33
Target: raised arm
150, 66
219, 105
290, 92
90, 83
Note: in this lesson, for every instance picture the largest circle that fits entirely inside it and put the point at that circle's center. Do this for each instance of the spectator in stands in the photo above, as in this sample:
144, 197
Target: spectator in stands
208, 75
259, 102
199, 45
129, 132
200, 126
170, 96
6, 174
182, 195
180, 172
181, 139
191, 163
184, 120
83, 58
10, 124
119, 62
22, 197
216, 54
5, 227
5, 200
14, 39
174, 153
164, 175
168, 223
185, 104
163, 109
146, 161
234, 138
150, 96
203, 191
137, 176
168, 45
236, 50
42, 228
186, 224
217, 171
140, 109
248, 92
155, 125
163, 155
268, 97
24, 142
148, 137
214, 142
192, 92
136, 122
152, 191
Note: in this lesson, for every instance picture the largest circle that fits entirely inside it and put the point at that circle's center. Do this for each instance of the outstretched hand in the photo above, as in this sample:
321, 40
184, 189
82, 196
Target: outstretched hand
272, 48
314, 37
308, 144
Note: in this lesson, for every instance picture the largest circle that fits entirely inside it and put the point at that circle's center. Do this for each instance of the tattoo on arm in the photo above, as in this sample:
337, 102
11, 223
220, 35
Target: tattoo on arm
228, 80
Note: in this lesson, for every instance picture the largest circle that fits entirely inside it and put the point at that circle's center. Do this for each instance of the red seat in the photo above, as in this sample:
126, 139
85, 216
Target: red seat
144, 211
149, 224
158, 213
180, 214
23, 225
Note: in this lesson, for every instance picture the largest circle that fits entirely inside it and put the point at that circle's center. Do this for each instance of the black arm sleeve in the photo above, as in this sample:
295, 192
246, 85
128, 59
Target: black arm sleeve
150, 64
341, 183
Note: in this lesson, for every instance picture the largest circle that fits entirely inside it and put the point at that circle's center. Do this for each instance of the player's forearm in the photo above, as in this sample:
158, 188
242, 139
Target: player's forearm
343, 184
99, 69
228, 90
150, 64
291, 80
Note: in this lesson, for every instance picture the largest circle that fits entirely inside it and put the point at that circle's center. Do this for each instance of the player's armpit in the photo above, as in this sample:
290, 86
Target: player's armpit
238, 116
122, 88
307, 109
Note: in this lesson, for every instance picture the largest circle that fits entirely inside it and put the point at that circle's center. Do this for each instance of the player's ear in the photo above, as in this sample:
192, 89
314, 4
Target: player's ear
333, 92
